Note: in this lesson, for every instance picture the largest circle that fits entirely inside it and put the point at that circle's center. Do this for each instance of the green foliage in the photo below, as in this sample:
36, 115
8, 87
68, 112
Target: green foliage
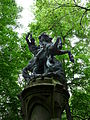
67, 19
59, 17
81, 104
10, 63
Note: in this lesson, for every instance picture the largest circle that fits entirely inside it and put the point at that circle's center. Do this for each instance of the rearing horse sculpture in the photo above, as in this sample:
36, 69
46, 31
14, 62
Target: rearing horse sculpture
44, 63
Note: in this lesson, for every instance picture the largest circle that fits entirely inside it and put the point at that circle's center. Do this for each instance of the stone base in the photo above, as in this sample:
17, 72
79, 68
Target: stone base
43, 100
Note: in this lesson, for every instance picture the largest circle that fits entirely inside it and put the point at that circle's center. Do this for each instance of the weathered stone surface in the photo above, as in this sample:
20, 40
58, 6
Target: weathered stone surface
43, 100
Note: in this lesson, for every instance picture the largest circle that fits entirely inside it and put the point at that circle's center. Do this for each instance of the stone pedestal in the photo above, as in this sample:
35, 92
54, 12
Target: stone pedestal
43, 99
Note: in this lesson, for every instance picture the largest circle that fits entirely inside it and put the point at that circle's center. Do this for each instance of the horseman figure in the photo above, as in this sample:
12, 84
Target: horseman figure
44, 62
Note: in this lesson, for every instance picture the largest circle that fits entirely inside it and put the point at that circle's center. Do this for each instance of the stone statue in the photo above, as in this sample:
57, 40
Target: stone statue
44, 62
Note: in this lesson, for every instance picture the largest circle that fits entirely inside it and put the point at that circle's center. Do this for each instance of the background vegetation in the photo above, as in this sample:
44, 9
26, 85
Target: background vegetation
68, 19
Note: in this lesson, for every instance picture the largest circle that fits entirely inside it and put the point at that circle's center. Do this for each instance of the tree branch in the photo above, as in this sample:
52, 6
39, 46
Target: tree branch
67, 33
87, 9
75, 5
73, 11
82, 17
81, 6
74, 1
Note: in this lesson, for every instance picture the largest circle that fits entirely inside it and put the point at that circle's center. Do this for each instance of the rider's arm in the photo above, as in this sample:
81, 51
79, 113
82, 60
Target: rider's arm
27, 38
31, 43
61, 52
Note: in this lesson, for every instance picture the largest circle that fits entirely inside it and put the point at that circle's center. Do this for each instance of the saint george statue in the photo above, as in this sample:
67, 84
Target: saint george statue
44, 62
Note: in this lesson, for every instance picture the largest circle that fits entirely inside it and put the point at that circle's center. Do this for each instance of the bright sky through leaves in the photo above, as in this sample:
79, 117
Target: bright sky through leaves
27, 15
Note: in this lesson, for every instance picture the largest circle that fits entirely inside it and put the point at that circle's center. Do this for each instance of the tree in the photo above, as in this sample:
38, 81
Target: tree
69, 19
10, 62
